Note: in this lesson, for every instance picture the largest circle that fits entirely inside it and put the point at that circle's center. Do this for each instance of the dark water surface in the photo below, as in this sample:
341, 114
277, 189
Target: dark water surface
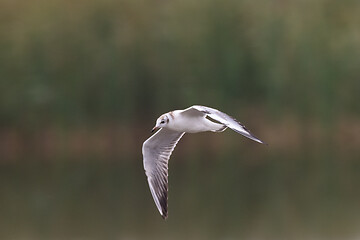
210, 197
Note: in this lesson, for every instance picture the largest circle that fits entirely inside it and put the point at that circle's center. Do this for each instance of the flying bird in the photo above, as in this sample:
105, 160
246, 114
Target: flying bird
171, 127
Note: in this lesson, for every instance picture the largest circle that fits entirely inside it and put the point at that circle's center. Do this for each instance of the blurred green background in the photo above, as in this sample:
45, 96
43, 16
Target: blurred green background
82, 83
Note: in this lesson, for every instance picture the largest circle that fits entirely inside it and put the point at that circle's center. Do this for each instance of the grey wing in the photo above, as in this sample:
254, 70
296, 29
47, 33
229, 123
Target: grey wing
224, 119
156, 153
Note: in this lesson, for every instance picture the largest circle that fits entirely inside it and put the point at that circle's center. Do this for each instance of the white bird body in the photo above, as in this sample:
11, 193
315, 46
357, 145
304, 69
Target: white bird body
173, 125
187, 123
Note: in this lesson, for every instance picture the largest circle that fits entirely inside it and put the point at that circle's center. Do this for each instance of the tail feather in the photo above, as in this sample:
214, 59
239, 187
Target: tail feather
221, 129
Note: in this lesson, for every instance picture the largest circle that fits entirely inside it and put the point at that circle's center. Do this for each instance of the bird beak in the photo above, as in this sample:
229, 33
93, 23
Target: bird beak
154, 129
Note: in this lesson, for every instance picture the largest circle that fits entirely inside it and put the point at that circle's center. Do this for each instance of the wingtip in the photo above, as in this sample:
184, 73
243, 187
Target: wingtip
265, 143
164, 216
262, 142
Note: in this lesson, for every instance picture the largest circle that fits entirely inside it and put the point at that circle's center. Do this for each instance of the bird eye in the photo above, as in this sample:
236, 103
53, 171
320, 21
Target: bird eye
162, 122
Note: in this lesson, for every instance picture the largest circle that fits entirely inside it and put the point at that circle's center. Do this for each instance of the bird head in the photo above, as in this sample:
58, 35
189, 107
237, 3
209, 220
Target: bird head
161, 122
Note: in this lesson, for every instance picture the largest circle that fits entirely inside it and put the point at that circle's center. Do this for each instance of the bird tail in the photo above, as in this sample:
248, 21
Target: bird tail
221, 129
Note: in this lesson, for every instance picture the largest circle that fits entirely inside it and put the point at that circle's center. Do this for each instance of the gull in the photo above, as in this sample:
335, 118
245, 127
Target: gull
171, 127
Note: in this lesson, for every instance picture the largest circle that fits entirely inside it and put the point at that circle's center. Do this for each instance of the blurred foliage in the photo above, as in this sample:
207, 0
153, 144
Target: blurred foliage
67, 62
223, 197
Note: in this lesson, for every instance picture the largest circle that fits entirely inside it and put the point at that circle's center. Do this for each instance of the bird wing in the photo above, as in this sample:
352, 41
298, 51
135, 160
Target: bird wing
223, 118
156, 153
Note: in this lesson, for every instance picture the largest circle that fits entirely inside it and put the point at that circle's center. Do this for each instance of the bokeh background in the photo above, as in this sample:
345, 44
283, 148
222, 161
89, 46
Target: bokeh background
82, 83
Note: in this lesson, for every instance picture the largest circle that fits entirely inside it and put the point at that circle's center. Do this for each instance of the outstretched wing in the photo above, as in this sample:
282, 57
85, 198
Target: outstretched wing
222, 118
156, 153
